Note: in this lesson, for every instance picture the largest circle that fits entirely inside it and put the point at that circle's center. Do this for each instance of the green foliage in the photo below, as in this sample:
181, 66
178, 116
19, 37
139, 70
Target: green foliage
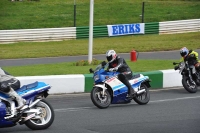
86, 63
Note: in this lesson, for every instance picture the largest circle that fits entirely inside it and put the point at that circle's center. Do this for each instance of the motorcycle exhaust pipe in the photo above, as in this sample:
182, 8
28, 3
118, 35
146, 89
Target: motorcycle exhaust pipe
140, 91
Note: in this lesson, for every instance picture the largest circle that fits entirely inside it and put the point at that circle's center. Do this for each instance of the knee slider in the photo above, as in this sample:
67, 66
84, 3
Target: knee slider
4, 87
197, 66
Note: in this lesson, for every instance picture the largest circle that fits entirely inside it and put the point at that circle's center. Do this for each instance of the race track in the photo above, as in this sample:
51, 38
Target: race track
171, 110
165, 55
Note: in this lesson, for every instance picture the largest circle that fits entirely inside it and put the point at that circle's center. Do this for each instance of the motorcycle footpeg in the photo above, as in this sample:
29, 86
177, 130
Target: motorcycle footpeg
128, 97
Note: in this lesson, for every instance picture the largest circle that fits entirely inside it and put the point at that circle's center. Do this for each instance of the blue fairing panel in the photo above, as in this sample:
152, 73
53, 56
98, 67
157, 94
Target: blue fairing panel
3, 122
2, 110
3, 95
30, 89
120, 91
33, 88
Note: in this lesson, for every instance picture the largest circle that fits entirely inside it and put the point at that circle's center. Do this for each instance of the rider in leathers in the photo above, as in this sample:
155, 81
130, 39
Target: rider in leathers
8, 85
116, 63
191, 56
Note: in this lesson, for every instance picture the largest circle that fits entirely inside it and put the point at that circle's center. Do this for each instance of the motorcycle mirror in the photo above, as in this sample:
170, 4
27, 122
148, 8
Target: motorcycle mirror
91, 71
174, 63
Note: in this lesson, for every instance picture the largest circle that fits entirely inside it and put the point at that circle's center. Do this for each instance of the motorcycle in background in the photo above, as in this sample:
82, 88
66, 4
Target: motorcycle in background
108, 89
190, 77
37, 114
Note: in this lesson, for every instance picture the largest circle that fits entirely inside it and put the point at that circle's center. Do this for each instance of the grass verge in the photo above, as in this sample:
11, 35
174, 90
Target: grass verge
69, 68
122, 44
60, 13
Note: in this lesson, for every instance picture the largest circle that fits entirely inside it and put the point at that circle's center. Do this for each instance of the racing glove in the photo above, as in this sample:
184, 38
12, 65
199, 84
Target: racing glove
113, 69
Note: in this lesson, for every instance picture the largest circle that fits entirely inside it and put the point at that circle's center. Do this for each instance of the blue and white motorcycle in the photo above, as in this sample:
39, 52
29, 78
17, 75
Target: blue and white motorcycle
108, 89
37, 114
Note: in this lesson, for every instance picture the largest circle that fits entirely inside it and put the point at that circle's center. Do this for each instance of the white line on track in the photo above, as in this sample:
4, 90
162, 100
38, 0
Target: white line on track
182, 98
87, 94
156, 101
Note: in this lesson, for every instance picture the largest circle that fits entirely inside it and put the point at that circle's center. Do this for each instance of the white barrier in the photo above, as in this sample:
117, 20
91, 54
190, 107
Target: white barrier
171, 78
59, 83
76, 83
42, 34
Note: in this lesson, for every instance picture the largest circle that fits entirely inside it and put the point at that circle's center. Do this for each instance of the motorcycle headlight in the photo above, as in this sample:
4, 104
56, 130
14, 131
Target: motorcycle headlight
96, 77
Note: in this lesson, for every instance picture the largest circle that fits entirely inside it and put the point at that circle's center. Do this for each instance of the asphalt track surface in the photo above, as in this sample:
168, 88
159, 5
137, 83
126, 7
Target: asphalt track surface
169, 111
49, 60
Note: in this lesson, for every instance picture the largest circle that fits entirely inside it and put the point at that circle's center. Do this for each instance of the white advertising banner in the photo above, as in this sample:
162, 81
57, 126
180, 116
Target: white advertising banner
125, 29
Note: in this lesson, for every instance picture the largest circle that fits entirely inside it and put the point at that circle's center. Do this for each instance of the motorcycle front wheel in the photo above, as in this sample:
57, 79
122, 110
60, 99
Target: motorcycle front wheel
190, 87
144, 97
42, 120
98, 99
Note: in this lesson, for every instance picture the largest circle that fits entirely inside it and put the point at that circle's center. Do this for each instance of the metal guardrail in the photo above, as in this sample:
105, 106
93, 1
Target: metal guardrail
44, 34
182, 26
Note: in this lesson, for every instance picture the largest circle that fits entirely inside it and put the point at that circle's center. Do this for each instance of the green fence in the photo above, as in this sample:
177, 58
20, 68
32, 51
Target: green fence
98, 31
152, 28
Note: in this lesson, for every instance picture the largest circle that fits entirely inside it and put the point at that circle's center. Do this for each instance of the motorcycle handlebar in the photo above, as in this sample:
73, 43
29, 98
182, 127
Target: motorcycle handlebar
175, 63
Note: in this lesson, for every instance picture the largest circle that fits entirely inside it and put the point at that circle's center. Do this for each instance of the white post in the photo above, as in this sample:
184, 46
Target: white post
91, 31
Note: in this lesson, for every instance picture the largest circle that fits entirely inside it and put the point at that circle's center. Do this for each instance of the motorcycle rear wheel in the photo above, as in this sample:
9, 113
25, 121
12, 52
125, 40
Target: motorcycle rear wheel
47, 117
98, 99
143, 98
188, 85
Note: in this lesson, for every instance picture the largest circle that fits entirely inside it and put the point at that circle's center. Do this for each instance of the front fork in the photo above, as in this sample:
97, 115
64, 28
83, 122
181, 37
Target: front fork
103, 88
190, 75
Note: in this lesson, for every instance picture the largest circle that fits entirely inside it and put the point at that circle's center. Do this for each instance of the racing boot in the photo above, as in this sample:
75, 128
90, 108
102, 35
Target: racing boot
21, 102
131, 92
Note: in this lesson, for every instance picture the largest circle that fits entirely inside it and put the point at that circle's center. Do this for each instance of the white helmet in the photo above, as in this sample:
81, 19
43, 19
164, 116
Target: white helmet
184, 52
111, 55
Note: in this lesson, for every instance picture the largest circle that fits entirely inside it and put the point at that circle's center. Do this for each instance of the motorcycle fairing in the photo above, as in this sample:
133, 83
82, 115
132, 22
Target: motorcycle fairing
3, 122
120, 90
103, 74
33, 89
28, 92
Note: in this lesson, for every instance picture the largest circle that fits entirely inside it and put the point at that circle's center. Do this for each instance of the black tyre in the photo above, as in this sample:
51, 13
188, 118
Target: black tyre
43, 120
144, 97
190, 87
98, 99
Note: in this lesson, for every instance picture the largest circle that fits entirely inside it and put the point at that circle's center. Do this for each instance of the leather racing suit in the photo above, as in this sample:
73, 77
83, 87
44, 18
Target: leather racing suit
120, 65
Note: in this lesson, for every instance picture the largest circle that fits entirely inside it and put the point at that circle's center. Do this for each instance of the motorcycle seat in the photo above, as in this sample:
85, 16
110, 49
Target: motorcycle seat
28, 86
135, 76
